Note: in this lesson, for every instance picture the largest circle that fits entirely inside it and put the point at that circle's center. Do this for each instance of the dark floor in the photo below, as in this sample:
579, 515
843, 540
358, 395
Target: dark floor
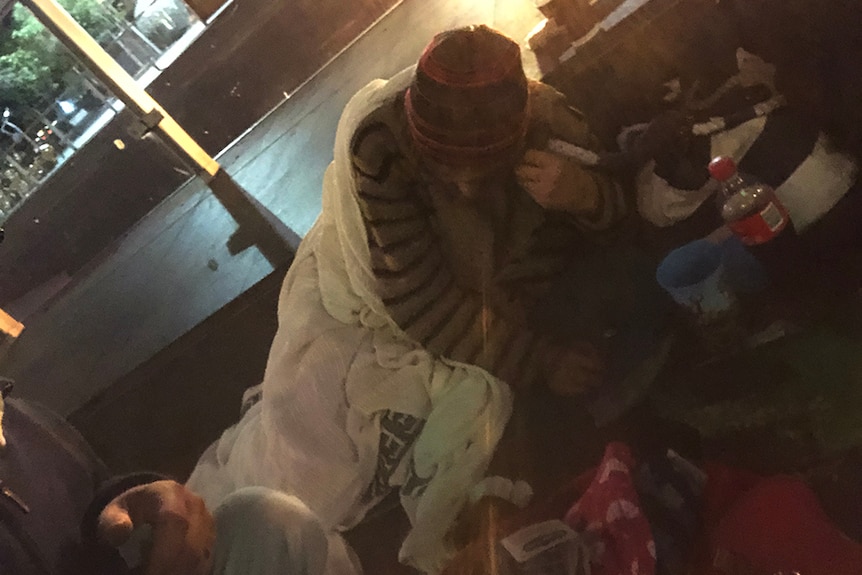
163, 414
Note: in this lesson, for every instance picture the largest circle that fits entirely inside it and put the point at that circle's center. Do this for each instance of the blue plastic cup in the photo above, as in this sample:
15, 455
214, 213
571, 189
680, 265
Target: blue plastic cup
694, 276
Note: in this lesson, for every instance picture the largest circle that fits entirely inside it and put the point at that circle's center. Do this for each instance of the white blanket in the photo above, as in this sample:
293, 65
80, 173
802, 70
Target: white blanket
337, 363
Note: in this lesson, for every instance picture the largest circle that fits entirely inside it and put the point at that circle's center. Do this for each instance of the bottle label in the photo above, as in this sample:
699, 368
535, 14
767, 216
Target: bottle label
762, 226
772, 217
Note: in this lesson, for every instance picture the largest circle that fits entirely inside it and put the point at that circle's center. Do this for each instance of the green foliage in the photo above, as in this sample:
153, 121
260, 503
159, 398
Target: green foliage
33, 62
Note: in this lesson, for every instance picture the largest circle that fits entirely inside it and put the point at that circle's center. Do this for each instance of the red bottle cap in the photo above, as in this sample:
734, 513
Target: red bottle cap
722, 168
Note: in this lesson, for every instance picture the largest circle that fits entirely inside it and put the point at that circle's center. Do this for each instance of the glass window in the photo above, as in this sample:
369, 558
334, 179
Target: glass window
51, 103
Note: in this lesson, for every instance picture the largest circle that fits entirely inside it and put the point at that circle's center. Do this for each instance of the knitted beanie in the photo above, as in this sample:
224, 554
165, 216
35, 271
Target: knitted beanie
468, 100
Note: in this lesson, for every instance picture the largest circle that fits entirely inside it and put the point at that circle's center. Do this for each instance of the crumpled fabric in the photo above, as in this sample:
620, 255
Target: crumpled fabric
265, 532
773, 525
609, 512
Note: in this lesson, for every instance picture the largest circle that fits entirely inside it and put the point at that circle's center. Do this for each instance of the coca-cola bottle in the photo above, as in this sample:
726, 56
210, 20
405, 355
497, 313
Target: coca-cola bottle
748, 207
753, 212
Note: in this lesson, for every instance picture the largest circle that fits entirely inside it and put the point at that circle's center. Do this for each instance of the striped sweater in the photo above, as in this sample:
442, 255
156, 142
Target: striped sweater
461, 279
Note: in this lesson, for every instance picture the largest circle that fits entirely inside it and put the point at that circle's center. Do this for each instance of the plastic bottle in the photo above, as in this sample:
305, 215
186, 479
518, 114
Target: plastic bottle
754, 213
748, 207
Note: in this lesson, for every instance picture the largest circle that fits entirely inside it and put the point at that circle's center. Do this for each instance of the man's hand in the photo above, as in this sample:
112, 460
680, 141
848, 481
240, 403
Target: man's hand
183, 529
558, 183
574, 370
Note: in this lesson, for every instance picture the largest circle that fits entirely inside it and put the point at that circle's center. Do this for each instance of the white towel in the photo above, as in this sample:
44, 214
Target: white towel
337, 363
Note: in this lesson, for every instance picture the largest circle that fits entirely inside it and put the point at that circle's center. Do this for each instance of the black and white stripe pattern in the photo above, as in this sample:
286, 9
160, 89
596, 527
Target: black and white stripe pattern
416, 281
413, 279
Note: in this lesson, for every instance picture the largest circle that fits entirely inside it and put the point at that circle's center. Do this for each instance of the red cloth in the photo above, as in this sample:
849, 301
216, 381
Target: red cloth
778, 525
610, 510
724, 486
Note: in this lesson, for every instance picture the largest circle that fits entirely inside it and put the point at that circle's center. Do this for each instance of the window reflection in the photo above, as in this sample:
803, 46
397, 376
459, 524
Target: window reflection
53, 105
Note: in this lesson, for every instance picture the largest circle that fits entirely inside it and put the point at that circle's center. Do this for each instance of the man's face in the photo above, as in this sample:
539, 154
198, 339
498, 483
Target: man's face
474, 181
